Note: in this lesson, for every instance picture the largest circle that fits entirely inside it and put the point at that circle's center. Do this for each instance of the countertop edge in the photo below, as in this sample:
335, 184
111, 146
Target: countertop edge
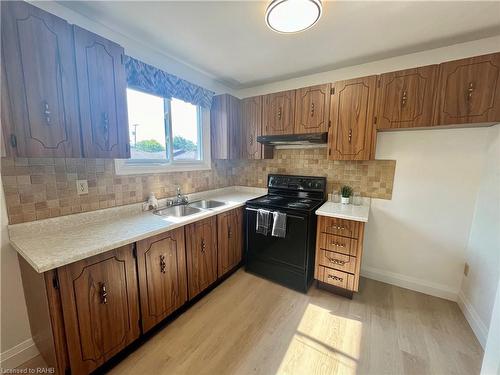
341, 216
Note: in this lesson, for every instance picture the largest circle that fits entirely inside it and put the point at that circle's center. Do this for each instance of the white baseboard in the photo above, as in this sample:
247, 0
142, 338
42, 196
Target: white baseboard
475, 322
18, 354
412, 283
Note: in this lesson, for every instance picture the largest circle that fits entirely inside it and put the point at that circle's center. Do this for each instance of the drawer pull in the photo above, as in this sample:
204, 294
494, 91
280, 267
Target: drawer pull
103, 292
336, 261
163, 265
336, 244
336, 278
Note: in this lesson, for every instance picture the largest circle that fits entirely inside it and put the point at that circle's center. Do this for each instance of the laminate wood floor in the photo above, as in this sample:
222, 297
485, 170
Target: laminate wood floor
249, 325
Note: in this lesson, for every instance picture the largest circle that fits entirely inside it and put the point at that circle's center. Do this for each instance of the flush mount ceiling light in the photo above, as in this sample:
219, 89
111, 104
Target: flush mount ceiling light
292, 16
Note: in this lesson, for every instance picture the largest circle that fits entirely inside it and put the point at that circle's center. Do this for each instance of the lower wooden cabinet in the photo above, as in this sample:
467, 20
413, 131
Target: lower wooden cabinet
230, 240
100, 307
201, 255
161, 265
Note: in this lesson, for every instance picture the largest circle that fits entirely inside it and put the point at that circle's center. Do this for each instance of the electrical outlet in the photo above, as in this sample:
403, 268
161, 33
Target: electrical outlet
82, 187
466, 269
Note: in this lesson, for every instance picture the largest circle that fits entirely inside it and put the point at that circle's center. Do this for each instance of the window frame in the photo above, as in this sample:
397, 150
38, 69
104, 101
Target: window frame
148, 166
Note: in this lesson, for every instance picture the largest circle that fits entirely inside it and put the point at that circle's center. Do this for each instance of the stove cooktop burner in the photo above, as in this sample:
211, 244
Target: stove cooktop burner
286, 202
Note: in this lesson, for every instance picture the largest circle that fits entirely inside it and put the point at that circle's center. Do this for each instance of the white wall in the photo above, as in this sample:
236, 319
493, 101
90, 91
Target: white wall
419, 237
477, 295
491, 359
16, 345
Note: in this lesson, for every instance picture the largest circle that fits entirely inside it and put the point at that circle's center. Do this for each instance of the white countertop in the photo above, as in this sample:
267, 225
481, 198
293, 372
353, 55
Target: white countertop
51, 243
345, 211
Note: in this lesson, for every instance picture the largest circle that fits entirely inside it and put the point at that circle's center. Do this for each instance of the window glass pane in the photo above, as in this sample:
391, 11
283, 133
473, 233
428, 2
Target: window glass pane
185, 130
146, 118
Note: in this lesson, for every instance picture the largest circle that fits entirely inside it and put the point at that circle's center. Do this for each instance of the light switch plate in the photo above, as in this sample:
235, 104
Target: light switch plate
82, 187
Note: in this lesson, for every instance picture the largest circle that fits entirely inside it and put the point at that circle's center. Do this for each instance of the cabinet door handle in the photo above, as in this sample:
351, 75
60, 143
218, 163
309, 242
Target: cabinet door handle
103, 292
335, 278
350, 135
250, 140
404, 98
336, 244
229, 233
203, 246
336, 261
105, 126
279, 113
312, 109
163, 265
46, 112
470, 90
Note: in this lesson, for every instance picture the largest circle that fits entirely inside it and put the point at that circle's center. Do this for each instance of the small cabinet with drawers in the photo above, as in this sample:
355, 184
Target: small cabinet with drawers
339, 248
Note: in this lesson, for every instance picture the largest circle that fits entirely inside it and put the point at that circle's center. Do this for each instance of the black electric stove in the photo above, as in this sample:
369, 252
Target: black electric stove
287, 260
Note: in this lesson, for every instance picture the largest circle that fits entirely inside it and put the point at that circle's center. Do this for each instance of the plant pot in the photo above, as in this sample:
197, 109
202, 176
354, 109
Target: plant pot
344, 200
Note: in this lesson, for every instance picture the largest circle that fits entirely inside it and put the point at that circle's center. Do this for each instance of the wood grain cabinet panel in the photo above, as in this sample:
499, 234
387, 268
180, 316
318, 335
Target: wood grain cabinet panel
469, 91
161, 265
37, 50
100, 307
251, 128
225, 123
352, 133
201, 255
312, 109
405, 99
278, 114
102, 94
230, 240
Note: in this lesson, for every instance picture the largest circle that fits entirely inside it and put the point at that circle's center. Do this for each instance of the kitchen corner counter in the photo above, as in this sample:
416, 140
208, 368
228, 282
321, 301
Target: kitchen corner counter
345, 211
52, 243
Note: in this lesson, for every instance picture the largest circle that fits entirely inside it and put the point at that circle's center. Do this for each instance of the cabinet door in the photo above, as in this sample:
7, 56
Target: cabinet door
161, 264
102, 94
469, 91
201, 254
225, 127
405, 99
279, 113
352, 134
312, 107
37, 50
251, 123
100, 307
230, 240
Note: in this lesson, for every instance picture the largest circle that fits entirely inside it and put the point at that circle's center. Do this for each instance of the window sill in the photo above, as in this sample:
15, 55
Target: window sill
127, 167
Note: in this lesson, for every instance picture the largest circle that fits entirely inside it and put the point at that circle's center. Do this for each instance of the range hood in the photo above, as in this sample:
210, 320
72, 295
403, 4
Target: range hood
293, 139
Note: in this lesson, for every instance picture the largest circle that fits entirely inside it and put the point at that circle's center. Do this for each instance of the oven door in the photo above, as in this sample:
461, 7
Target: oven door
290, 251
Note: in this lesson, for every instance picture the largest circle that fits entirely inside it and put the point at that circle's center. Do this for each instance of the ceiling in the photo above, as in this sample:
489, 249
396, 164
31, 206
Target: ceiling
231, 42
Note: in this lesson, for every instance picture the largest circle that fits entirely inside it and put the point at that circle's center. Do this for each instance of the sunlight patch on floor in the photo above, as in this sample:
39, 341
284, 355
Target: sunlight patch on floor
324, 343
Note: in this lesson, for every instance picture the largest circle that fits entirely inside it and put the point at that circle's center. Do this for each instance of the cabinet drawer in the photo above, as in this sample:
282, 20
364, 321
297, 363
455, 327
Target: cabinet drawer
338, 261
340, 227
336, 278
338, 244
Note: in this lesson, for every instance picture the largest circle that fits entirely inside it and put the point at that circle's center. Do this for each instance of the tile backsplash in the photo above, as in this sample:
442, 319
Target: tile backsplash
38, 188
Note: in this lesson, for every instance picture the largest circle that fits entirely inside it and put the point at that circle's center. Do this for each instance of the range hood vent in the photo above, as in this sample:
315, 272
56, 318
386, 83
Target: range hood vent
293, 139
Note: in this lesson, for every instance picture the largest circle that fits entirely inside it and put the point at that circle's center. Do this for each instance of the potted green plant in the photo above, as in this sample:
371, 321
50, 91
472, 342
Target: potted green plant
345, 192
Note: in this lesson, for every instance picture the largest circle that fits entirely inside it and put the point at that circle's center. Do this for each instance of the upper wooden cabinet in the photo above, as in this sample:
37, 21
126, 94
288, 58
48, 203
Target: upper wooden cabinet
406, 98
312, 108
161, 264
37, 50
469, 91
352, 133
278, 113
230, 240
201, 255
102, 94
100, 307
251, 127
225, 127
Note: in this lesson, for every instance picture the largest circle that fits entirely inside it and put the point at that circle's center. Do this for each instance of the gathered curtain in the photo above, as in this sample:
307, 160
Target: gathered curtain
147, 78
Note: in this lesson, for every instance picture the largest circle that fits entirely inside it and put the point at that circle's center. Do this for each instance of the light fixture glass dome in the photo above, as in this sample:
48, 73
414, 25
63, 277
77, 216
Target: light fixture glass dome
291, 16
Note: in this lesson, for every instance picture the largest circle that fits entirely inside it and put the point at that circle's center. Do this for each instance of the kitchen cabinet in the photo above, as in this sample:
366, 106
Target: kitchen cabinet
352, 134
229, 240
469, 91
201, 255
405, 99
161, 266
251, 128
225, 127
339, 248
100, 307
278, 113
312, 107
37, 50
102, 96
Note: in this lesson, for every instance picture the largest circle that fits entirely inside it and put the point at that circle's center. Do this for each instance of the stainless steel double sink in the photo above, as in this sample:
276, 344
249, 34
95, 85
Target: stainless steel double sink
188, 209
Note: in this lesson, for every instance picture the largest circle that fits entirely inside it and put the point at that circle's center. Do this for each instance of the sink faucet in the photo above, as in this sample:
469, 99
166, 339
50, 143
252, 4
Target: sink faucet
180, 199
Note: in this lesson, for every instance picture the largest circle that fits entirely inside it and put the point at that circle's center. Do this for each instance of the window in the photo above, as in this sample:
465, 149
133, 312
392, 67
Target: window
165, 135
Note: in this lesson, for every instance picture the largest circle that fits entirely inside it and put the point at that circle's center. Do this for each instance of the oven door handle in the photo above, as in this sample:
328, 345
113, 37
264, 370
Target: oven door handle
294, 216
